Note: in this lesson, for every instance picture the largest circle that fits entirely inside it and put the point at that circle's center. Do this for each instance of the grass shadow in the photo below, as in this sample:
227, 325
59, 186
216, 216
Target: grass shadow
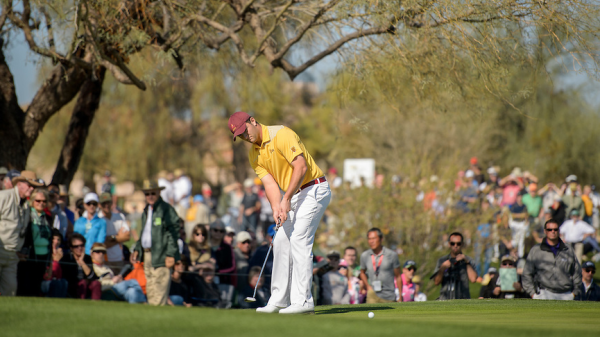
347, 309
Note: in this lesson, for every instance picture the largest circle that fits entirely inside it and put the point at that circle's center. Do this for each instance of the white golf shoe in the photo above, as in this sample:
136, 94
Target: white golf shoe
269, 309
298, 309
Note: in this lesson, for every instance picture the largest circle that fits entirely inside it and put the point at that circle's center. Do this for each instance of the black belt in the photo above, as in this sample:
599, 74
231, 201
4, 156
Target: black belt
312, 182
147, 250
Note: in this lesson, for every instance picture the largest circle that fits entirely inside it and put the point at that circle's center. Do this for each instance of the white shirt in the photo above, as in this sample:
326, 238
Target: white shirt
182, 189
167, 193
113, 226
574, 232
147, 233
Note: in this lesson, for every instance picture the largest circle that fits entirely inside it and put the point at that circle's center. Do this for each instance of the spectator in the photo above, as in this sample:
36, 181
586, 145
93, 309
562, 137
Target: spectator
8, 179
355, 289
518, 224
379, 267
478, 178
489, 284
79, 208
197, 214
249, 208
508, 262
222, 253
229, 235
419, 296
209, 295
260, 255
117, 233
454, 271
61, 222
511, 186
588, 204
64, 202
242, 253
334, 284
182, 190
90, 225
467, 193
533, 202
493, 178
484, 243
78, 271
129, 290
262, 293
38, 244
571, 197
165, 179
199, 249
589, 291
350, 255
14, 220
336, 181
157, 247
407, 287
552, 271
558, 210
578, 233
179, 293
107, 186
54, 285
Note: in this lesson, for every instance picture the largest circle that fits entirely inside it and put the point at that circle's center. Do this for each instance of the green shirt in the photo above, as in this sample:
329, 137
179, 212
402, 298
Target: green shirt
534, 204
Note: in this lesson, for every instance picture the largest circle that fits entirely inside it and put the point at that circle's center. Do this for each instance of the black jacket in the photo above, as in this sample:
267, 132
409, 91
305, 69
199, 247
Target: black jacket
70, 271
45, 230
593, 293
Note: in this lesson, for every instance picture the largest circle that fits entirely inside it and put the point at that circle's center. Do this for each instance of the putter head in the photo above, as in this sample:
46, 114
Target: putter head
250, 299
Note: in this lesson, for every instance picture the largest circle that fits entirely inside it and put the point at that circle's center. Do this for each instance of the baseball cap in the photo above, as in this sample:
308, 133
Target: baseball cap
248, 183
271, 231
416, 279
588, 264
333, 170
469, 174
198, 198
571, 178
492, 270
508, 258
98, 247
3, 170
343, 263
217, 225
13, 174
229, 230
243, 236
473, 161
105, 197
410, 263
574, 212
90, 197
237, 123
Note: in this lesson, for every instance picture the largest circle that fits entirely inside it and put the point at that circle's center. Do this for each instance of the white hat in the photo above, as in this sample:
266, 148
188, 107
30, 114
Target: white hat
571, 178
243, 236
229, 230
469, 174
492, 171
91, 197
248, 183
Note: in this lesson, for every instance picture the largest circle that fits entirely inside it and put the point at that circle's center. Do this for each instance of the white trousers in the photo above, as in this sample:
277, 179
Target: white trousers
519, 232
292, 248
548, 295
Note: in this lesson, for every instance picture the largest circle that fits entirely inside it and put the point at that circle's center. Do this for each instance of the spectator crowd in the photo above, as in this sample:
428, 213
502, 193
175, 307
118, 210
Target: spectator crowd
208, 250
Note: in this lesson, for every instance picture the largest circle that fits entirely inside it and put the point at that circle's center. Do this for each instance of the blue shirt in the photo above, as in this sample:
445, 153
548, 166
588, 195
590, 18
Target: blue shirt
93, 230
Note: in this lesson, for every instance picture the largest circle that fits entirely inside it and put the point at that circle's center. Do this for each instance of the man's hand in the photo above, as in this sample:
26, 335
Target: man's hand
133, 258
80, 259
22, 257
517, 286
284, 208
460, 257
57, 254
117, 279
445, 265
123, 235
169, 262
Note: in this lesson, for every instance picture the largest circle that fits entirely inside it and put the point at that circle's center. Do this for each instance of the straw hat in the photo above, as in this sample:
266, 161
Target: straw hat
28, 177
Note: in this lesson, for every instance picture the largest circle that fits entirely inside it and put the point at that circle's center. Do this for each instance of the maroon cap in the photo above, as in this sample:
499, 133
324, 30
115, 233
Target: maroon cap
237, 123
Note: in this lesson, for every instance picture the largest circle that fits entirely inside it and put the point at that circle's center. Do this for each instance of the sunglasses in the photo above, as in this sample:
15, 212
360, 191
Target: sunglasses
589, 270
198, 234
150, 193
92, 203
218, 230
247, 242
455, 243
551, 229
507, 263
411, 268
78, 246
98, 251
40, 201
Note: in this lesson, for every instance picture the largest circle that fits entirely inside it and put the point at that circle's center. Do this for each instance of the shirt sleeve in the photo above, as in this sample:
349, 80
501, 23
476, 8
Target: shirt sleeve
288, 144
395, 261
363, 262
260, 171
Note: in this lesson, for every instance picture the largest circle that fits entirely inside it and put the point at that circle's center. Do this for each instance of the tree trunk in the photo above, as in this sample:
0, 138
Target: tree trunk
13, 154
240, 161
79, 126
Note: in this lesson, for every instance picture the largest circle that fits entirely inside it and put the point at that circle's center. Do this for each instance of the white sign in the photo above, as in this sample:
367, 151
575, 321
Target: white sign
359, 172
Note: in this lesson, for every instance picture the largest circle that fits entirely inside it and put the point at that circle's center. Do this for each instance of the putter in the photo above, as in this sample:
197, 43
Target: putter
253, 298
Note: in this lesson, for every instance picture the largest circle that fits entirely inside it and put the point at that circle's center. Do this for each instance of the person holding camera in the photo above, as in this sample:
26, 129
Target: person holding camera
454, 271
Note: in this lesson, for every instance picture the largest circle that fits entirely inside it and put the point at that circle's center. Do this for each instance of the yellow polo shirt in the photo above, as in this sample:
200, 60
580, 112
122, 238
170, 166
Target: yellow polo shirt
280, 145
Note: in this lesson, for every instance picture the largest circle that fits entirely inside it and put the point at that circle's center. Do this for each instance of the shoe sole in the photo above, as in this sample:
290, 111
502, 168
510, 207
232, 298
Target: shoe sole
298, 313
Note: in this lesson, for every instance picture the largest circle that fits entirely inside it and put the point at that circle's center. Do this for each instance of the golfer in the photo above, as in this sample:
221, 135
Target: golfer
282, 163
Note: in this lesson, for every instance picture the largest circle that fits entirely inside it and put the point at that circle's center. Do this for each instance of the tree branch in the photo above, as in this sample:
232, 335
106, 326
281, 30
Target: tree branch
268, 34
231, 33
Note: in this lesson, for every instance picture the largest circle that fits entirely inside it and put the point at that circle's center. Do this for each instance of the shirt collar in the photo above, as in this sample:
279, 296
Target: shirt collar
265, 135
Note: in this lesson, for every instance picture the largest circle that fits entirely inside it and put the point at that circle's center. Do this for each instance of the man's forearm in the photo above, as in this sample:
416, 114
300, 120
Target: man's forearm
298, 173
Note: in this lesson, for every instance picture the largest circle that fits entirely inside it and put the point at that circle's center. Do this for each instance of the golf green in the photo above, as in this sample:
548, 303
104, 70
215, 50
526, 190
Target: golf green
54, 317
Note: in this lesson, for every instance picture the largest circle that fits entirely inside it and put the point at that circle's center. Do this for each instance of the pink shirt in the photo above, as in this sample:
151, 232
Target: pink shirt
408, 290
509, 194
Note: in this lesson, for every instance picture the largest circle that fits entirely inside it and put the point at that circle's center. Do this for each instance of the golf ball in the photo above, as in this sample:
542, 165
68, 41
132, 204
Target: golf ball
371, 315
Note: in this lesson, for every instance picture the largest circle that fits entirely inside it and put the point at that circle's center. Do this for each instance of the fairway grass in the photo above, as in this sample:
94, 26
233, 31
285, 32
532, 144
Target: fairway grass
482, 318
